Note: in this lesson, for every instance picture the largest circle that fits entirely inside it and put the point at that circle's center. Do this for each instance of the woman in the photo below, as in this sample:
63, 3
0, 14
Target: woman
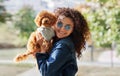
71, 34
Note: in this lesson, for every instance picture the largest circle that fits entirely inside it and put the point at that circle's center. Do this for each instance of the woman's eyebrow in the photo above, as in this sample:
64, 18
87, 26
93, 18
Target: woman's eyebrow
69, 24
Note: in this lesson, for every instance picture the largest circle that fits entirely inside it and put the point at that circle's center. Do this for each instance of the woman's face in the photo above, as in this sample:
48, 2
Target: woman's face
63, 27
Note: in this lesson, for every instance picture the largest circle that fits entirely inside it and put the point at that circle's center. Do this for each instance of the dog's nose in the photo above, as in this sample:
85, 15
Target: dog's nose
46, 21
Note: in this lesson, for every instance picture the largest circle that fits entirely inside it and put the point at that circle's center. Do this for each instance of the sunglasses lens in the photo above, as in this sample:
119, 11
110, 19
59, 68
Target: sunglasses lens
67, 27
59, 24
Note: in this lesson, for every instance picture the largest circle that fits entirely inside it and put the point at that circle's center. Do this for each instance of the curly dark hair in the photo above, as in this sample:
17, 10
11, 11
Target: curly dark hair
81, 30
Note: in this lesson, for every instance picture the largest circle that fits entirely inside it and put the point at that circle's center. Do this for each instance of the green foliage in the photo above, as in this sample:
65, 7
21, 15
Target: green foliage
24, 22
1, 0
104, 22
3, 14
118, 49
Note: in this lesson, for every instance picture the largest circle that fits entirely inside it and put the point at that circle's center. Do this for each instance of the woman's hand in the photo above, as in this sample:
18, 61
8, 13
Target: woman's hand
39, 38
44, 45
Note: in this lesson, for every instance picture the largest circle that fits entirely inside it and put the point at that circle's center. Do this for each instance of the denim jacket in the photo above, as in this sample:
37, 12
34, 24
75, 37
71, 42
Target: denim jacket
61, 61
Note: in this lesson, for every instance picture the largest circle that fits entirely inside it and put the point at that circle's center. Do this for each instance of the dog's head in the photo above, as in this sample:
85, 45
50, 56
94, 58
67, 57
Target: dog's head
45, 18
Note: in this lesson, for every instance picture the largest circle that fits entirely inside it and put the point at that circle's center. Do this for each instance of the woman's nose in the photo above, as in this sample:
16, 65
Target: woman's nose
62, 29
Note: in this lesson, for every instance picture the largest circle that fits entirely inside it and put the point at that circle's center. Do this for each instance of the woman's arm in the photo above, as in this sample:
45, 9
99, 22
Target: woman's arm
49, 65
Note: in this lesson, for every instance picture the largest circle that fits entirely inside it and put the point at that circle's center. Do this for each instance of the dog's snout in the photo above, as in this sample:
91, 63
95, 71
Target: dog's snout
46, 21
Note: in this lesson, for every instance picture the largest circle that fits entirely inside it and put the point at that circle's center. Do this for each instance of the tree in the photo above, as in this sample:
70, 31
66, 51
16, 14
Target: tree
24, 22
4, 15
104, 21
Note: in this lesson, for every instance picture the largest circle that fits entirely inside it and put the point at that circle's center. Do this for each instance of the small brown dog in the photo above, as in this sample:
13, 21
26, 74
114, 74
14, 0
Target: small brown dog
44, 20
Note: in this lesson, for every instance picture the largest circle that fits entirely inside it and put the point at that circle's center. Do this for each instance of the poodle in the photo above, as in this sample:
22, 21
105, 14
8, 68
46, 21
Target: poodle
44, 20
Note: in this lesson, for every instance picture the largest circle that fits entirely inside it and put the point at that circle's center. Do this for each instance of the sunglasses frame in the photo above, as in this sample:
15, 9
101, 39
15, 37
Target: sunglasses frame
60, 25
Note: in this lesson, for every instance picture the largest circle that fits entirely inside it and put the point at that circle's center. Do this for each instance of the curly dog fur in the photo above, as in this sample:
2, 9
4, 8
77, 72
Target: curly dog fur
46, 19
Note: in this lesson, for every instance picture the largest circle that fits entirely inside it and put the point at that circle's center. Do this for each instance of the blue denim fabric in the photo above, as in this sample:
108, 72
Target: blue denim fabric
61, 61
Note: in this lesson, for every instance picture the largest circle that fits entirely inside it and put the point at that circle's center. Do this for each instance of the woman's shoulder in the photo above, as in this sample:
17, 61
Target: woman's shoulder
66, 41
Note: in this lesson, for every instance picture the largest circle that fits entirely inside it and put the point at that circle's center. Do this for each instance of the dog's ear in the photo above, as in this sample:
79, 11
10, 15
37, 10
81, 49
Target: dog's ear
39, 17
37, 20
54, 19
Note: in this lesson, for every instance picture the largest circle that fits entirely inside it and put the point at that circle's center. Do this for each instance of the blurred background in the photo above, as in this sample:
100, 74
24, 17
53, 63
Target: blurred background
101, 56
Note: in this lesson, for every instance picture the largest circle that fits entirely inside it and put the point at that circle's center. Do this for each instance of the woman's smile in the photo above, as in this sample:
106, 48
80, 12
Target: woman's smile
59, 33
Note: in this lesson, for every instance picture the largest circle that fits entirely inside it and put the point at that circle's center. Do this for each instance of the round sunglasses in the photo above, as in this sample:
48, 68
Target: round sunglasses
60, 25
